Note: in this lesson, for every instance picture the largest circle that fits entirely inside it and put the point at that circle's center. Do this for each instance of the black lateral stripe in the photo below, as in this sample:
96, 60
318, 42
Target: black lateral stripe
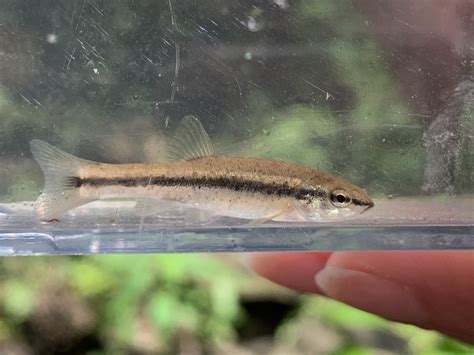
234, 184
358, 202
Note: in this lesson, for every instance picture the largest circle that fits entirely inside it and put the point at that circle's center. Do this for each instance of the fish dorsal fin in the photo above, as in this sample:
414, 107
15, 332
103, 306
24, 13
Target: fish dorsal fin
190, 141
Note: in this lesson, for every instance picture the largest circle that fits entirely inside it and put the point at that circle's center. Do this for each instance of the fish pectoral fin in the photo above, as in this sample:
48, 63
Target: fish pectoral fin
299, 212
190, 141
265, 219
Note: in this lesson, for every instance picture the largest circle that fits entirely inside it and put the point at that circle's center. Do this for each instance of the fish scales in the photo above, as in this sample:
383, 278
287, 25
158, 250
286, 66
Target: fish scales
246, 174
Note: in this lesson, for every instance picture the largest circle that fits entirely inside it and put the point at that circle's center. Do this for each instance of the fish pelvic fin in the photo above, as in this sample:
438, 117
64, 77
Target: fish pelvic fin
60, 170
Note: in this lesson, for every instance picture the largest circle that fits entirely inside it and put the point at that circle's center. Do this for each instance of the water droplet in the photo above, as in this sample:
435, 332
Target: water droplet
253, 25
51, 38
282, 4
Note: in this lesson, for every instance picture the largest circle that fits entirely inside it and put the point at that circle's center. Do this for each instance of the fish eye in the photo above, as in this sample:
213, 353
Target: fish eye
340, 198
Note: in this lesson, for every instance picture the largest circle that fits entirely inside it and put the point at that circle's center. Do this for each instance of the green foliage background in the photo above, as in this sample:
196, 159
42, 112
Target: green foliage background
308, 84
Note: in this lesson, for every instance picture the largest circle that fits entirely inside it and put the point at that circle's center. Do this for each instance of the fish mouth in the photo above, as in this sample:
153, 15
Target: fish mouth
368, 207
367, 204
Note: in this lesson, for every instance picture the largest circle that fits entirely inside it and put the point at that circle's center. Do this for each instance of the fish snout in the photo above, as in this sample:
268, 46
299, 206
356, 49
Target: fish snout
360, 198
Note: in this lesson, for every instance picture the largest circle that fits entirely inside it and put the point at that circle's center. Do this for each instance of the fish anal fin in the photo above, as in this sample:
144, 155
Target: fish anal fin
50, 205
190, 141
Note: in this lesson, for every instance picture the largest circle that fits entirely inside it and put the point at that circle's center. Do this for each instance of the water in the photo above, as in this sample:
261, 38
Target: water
104, 230
385, 101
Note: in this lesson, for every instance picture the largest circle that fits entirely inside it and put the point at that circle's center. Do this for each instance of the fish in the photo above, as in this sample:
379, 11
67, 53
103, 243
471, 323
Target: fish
193, 175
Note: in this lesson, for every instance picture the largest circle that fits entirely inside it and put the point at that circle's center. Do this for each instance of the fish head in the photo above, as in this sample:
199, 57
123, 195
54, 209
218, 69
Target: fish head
335, 199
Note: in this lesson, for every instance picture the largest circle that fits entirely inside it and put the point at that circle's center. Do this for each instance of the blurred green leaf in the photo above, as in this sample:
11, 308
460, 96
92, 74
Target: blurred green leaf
449, 345
163, 311
224, 299
90, 279
355, 350
341, 315
18, 299
425, 342
5, 331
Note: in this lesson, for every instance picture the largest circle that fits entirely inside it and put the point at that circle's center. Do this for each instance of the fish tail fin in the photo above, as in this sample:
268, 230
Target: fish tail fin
61, 171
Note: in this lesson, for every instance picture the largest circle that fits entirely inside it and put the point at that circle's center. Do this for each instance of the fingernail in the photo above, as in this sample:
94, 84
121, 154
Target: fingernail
371, 293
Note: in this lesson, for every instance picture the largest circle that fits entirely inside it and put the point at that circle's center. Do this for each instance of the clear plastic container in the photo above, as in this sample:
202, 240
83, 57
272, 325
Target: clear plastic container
380, 97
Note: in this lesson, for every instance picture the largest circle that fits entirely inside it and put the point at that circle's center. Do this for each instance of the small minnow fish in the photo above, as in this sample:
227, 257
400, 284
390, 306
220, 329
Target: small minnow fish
249, 188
